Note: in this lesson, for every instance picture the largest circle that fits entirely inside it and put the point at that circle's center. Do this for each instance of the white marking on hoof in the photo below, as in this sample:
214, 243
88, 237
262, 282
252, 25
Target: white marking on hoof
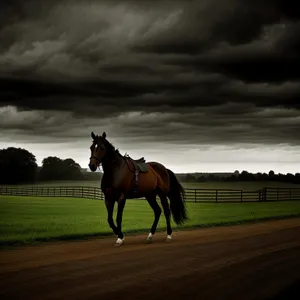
168, 239
149, 238
119, 242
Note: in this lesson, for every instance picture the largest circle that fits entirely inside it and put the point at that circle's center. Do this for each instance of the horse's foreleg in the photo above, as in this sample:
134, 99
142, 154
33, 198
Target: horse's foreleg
110, 203
119, 218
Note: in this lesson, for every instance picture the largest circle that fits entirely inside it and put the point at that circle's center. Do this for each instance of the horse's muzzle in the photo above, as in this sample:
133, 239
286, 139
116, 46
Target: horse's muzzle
92, 167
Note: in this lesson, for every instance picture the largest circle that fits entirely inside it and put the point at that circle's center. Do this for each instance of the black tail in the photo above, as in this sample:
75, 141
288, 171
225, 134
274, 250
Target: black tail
177, 203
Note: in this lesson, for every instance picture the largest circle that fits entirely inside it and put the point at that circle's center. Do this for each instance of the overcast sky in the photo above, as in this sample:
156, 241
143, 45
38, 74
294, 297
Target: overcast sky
199, 86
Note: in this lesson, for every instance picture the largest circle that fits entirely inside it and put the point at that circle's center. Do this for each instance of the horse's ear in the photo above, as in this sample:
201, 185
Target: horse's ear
93, 135
104, 135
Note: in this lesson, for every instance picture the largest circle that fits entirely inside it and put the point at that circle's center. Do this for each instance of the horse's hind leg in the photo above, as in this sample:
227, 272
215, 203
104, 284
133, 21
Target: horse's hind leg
167, 213
157, 212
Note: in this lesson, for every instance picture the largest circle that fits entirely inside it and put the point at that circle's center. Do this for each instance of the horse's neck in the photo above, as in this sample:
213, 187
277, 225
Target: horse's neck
112, 163
112, 172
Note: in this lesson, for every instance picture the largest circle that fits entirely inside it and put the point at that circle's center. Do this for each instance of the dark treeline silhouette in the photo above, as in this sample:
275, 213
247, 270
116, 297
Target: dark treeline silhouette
54, 168
19, 166
243, 176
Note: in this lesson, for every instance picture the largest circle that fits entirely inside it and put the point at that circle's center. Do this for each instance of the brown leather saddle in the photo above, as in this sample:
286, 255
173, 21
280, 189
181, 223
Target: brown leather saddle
140, 166
140, 160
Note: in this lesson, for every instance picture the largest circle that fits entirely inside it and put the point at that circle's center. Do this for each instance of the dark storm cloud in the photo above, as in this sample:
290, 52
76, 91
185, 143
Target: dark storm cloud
230, 123
202, 71
271, 58
204, 24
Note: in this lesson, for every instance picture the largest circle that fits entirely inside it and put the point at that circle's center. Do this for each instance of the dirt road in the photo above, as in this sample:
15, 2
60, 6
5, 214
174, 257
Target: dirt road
256, 261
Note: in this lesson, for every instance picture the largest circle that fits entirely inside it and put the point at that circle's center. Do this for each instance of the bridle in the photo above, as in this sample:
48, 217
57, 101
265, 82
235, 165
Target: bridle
100, 162
97, 159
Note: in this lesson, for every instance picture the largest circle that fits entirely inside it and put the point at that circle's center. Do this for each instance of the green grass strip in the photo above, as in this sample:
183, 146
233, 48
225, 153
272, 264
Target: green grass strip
30, 220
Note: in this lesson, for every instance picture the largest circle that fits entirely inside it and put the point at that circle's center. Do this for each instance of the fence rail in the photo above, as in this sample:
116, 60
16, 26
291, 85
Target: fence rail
192, 195
54, 191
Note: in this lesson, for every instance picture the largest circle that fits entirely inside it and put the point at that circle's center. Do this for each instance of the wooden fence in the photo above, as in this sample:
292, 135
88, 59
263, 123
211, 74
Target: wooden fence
192, 195
55, 191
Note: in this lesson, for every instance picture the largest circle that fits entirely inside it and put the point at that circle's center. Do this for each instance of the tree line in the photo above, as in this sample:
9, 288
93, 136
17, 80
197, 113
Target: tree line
243, 176
18, 166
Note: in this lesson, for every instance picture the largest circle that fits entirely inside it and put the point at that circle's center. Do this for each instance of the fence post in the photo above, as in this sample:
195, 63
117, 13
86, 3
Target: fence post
241, 195
290, 194
277, 194
82, 192
195, 195
266, 194
216, 195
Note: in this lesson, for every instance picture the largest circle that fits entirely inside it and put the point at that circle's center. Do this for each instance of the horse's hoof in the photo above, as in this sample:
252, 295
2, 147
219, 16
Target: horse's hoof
168, 239
149, 238
119, 242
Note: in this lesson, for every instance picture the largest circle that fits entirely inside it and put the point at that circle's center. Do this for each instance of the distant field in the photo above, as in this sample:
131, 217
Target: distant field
29, 219
244, 185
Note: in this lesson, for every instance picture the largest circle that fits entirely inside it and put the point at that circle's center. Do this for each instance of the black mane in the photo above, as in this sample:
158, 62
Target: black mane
110, 147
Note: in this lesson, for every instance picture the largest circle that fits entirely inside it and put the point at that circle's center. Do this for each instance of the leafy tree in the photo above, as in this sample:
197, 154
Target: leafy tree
297, 178
271, 174
246, 176
236, 173
17, 166
50, 168
72, 170
54, 168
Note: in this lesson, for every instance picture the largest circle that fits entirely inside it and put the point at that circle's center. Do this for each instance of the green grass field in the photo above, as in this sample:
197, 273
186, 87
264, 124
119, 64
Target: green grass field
26, 220
243, 185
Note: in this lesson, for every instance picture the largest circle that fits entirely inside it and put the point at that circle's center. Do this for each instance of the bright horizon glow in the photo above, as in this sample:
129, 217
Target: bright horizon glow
208, 160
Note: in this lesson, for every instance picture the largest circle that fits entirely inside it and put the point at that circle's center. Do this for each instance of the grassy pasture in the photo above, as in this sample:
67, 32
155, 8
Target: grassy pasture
243, 185
26, 220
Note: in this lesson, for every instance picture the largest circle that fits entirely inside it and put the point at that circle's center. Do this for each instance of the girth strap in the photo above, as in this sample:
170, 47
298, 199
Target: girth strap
136, 174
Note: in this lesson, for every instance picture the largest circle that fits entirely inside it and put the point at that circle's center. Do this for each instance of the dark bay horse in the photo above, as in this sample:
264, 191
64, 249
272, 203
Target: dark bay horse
125, 178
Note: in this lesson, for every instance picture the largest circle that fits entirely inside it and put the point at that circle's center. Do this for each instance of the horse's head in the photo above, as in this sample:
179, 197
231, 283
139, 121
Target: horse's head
98, 150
